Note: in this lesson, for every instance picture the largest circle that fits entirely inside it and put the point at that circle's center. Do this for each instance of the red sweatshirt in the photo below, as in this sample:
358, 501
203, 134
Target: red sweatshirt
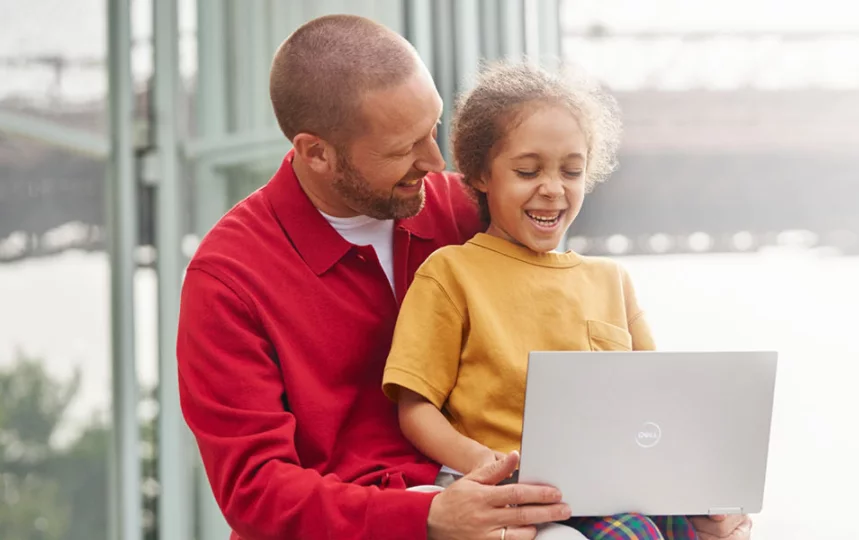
284, 330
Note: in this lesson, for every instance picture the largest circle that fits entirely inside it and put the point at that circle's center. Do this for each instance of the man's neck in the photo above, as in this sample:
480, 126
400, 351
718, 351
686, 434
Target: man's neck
319, 191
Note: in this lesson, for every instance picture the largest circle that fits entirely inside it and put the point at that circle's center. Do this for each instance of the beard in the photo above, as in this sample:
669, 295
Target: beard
354, 188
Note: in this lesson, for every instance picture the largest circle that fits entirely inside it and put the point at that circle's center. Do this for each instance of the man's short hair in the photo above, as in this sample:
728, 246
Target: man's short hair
322, 71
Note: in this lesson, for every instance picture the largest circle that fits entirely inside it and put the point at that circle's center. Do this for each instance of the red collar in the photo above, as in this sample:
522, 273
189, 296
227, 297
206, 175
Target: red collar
314, 238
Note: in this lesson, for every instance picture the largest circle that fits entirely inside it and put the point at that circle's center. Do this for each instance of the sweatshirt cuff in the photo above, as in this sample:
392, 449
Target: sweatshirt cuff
395, 514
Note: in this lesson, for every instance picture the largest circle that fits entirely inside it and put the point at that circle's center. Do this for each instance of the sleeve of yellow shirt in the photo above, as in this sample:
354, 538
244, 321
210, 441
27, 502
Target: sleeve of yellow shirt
427, 343
642, 338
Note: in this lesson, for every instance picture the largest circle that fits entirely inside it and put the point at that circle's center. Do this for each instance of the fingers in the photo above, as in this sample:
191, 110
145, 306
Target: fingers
519, 533
707, 525
522, 494
718, 526
534, 514
744, 531
735, 527
496, 471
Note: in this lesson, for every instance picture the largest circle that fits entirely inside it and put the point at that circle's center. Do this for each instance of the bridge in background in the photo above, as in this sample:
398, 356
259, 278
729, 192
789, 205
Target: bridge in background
740, 167
764, 160
699, 171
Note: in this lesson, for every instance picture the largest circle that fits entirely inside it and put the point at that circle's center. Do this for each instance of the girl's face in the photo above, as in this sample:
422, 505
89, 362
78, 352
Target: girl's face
536, 183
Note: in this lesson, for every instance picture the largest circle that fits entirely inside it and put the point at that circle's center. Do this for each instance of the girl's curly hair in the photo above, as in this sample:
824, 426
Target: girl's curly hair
501, 100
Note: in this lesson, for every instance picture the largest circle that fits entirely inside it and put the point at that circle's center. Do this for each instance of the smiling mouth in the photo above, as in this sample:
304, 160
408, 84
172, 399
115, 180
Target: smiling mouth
545, 218
411, 183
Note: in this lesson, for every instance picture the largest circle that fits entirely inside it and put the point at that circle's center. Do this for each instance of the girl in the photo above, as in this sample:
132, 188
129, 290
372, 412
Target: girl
529, 145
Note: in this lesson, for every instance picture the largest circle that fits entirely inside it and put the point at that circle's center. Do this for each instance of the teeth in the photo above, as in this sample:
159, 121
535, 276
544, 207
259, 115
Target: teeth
545, 220
410, 183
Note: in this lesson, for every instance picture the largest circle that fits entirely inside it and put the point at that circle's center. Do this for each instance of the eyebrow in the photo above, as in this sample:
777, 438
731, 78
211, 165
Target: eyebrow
535, 155
407, 146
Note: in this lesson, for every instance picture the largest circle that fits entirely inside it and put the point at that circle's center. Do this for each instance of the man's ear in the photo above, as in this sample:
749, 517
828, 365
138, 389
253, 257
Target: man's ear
315, 152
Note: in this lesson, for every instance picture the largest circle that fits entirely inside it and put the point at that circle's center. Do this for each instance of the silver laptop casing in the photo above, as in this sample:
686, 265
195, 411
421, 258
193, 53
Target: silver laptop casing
657, 433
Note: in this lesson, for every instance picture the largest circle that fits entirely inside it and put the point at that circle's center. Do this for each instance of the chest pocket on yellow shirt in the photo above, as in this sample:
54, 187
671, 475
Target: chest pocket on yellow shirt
603, 336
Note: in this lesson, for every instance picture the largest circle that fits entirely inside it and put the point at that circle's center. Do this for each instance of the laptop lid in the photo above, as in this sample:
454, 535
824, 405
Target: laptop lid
657, 433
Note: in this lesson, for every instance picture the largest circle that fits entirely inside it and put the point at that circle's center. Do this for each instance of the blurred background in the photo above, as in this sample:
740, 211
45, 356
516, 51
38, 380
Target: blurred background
127, 127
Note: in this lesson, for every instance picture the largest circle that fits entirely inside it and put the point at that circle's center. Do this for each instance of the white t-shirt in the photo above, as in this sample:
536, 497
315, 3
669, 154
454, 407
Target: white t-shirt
367, 231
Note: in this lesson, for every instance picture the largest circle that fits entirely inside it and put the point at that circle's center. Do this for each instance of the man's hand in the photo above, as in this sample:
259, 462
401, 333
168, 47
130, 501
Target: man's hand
474, 508
723, 527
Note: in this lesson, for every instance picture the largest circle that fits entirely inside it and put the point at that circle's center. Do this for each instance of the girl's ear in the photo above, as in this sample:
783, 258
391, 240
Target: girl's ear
481, 183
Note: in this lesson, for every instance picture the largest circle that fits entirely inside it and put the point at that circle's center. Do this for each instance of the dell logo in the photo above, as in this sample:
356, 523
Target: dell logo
649, 435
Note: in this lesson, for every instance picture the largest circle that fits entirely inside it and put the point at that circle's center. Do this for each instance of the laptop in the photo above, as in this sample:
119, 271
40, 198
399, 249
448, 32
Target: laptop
656, 433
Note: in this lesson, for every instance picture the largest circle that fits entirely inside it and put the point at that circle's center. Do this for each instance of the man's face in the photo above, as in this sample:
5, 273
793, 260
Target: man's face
381, 172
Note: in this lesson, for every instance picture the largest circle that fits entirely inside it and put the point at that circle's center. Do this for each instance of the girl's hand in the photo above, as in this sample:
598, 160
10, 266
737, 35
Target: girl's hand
484, 457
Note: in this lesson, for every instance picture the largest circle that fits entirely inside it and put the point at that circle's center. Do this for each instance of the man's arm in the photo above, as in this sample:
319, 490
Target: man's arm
231, 394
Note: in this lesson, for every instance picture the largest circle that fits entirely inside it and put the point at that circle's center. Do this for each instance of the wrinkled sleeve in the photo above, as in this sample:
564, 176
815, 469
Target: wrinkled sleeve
231, 394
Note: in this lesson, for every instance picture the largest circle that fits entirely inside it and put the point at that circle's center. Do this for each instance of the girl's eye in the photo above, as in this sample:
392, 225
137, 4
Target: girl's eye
527, 174
572, 174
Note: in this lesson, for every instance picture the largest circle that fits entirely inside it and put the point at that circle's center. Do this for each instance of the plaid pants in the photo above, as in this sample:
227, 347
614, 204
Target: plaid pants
634, 527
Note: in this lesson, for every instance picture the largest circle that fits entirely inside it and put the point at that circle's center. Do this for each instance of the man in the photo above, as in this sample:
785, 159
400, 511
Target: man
289, 305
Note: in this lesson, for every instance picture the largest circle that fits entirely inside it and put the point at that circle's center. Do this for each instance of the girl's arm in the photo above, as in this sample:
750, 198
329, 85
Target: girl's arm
431, 433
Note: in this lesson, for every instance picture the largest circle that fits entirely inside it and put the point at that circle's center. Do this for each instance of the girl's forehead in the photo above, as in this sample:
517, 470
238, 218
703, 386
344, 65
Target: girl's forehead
548, 128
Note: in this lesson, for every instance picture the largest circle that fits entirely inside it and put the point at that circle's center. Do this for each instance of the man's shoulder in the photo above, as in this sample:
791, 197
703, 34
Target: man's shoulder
450, 208
238, 237
445, 180
446, 188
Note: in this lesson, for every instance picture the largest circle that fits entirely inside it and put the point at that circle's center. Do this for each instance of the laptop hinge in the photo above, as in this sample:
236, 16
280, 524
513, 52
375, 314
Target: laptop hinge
727, 510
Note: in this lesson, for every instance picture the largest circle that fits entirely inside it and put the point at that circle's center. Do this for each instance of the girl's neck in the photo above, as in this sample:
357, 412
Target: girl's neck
498, 232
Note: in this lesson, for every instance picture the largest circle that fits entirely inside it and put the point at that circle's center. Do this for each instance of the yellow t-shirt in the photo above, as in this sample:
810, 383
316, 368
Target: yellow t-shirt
475, 311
